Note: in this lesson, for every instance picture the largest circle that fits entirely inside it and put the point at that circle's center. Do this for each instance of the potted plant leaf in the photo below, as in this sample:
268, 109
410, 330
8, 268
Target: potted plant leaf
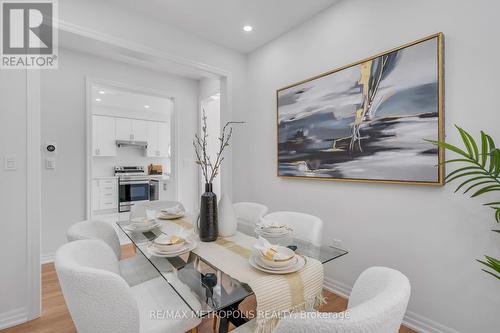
478, 175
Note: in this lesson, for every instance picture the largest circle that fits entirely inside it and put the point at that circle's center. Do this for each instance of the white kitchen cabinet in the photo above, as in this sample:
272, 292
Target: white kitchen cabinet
152, 150
163, 139
158, 139
104, 194
103, 136
131, 129
124, 129
140, 130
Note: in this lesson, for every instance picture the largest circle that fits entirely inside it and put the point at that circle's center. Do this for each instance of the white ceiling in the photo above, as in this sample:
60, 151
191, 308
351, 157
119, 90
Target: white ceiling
221, 21
110, 97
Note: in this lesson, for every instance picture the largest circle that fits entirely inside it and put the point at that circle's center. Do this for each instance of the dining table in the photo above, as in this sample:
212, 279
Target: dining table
204, 287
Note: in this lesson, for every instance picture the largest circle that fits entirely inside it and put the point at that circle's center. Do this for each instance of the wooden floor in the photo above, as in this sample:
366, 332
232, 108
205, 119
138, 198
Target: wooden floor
56, 318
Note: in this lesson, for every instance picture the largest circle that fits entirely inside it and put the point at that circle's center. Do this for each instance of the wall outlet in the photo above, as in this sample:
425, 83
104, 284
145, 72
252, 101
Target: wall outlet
337, 243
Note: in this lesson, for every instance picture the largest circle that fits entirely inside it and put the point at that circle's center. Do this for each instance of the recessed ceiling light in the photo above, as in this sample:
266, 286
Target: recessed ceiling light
102, 92
97, 99
247, 28
146, 106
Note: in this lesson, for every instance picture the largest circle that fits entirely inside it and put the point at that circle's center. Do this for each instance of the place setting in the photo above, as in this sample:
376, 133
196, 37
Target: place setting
172, 244
171, 213
268, 228
142, 224
275, 259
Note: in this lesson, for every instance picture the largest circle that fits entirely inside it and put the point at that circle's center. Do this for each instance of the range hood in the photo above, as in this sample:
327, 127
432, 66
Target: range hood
128, 143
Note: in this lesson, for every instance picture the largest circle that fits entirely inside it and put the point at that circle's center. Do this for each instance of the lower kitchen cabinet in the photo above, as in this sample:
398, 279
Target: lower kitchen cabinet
104, 194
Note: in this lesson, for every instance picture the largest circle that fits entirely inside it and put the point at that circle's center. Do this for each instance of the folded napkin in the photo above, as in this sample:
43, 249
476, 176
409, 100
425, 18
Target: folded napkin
271, 252
177, 233
169, 239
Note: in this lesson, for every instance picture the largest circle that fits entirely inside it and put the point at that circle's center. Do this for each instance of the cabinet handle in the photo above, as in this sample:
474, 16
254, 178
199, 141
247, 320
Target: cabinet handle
97, 151
131, 137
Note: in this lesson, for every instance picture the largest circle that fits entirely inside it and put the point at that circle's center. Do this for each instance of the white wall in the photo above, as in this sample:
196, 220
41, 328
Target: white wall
430, 234
13, 197
63, 121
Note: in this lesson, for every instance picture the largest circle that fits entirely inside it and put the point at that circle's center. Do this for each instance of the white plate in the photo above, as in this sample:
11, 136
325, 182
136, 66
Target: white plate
301, 262
148, 227
138, 220
189, 246
262, 264
165, 216
262, 232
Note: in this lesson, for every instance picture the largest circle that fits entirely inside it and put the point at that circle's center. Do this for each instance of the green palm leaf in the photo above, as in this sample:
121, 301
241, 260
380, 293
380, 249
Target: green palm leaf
474, 152
481, 171
486, 189
477, 184
484, 149
471, 180
449, 147
491, 144
451, 174
466, 174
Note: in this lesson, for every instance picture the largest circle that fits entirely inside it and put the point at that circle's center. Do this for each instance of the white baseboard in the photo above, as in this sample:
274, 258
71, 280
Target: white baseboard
411, 319
46, 258
13, 318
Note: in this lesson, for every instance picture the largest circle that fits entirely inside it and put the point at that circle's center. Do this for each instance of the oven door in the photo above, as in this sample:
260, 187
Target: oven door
131, 191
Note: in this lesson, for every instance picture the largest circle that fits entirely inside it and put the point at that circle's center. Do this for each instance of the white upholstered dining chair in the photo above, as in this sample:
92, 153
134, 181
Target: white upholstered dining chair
377, 304
134, 270
306, 227
249, 212
100, 301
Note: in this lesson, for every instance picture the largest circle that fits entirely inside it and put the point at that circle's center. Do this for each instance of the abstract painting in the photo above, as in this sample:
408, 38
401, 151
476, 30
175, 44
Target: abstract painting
367, 121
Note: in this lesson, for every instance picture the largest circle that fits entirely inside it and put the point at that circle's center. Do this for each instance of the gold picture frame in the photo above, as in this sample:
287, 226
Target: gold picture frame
439, 181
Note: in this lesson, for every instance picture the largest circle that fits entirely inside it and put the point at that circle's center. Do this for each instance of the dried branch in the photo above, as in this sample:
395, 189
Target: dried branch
211, 170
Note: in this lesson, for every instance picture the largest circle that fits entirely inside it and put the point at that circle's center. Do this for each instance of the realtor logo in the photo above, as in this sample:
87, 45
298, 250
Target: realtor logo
29, 35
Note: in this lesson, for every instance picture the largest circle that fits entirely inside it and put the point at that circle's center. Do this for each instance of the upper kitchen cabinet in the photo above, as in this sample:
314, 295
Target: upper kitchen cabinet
164, 139
131, 129
158, 139
103, 136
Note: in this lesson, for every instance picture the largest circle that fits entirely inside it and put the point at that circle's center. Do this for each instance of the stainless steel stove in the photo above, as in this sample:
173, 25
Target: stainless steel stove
133, 186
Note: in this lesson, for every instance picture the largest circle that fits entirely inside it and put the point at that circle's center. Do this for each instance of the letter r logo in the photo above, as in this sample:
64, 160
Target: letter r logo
27, 28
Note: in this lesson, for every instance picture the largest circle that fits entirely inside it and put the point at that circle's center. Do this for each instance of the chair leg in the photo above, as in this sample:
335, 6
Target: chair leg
214, 321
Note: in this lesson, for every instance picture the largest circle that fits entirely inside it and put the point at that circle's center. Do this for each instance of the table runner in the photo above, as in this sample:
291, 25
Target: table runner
276, 294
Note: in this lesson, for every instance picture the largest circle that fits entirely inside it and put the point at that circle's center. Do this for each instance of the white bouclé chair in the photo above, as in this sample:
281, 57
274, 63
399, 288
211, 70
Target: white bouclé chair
100, 301
306, 227
249, 212
377, 304
134, 270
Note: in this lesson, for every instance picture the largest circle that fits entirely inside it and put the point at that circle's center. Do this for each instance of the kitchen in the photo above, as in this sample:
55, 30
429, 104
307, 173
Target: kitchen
131, 148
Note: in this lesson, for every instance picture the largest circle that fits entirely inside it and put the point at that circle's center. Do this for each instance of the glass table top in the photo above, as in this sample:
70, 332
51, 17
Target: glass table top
201, 285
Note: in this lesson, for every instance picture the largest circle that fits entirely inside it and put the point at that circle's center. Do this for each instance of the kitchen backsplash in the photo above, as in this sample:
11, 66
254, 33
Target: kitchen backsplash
127, 156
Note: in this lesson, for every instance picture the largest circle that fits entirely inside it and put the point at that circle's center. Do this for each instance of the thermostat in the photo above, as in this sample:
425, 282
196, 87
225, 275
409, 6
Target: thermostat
51, 147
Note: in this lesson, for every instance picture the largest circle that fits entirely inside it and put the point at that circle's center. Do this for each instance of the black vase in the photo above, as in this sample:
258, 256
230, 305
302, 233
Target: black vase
208, 227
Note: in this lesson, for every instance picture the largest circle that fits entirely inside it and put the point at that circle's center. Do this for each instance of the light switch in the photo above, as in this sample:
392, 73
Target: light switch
10, 163
50, 163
